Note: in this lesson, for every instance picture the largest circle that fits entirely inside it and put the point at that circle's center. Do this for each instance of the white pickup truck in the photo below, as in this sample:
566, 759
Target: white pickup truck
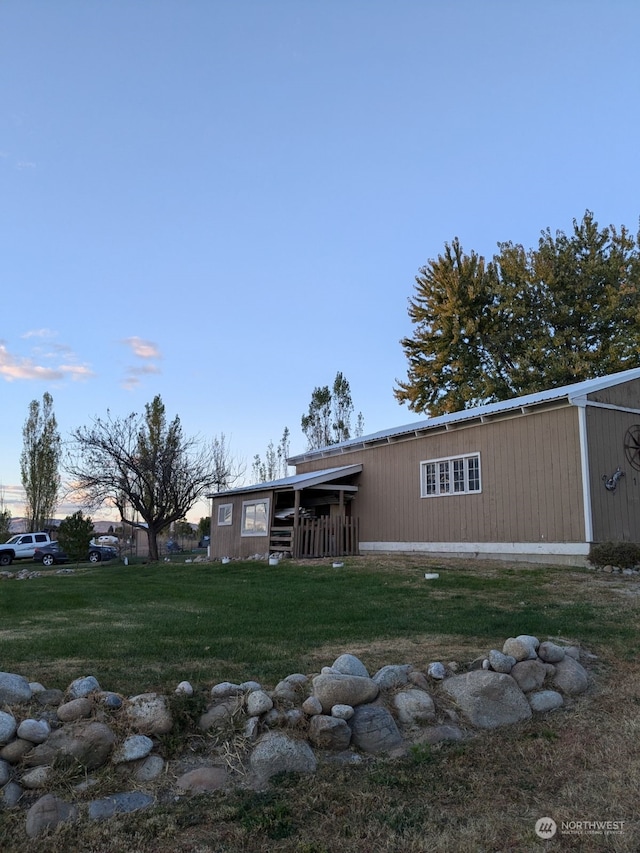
22, 547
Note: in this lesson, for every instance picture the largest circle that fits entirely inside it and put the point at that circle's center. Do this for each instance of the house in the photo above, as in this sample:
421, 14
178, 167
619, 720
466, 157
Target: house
536, 478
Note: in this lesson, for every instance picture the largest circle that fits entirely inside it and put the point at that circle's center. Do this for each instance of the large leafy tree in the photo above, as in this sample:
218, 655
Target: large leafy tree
525, 320
74, 535
328, 419
39, 462
145, 467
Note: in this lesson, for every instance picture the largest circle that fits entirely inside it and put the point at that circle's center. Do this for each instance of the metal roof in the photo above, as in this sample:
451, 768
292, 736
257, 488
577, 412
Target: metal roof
574, 394
296, 482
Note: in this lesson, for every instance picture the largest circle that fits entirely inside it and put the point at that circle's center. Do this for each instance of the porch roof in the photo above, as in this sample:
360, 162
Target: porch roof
296, 482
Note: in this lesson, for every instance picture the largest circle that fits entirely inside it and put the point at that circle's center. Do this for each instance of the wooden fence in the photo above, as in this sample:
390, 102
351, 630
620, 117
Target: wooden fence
326, 537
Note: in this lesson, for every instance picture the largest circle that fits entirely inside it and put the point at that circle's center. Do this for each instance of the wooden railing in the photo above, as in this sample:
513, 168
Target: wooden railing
326, 537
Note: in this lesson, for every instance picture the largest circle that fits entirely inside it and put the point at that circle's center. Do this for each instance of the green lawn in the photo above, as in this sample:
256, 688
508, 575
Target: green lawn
148, 627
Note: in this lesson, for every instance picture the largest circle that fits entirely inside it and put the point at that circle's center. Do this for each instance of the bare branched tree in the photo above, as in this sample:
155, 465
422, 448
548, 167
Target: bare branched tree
143, 466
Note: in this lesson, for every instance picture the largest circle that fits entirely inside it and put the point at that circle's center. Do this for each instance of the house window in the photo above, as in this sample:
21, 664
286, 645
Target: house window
225, 514
255, 518
459, 475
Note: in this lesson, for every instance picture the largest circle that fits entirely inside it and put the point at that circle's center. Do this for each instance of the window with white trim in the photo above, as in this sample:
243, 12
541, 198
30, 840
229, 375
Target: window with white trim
459, 475
255, 518
225, 514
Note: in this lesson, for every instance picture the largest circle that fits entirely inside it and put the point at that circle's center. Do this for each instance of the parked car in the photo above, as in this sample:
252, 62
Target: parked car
50, 554
53, 553
101, 553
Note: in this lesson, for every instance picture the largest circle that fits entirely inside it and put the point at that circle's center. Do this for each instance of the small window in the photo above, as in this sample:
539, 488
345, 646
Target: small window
459, 475
225, 514
42, 537
255, 518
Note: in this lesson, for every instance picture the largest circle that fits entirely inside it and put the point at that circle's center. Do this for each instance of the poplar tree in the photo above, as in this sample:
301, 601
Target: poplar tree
328, 419
39, 462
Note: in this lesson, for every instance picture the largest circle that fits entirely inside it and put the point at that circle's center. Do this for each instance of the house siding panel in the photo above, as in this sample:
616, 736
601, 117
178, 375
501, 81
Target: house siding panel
531, 484
226, 539
616, 515
626, 394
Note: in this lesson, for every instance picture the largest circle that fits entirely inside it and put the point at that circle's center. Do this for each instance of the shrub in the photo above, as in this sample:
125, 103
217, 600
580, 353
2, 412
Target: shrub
622, 554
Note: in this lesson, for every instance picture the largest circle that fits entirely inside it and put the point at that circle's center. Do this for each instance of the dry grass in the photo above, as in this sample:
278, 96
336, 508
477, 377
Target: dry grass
483, 795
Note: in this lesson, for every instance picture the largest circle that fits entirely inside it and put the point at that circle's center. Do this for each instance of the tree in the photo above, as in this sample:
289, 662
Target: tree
5, 519
144, 466
524, 321
225, 467
39, 462
74, 535
328, 420
274, 466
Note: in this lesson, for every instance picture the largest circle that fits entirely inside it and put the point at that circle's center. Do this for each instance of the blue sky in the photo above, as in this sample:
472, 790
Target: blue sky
227, 202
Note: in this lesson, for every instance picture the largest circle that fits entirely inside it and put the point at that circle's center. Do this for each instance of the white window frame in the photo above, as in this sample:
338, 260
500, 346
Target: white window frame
441, 477
246, 505
225, 515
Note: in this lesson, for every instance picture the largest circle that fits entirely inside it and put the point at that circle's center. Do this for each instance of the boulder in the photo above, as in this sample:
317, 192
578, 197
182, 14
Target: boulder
35, 731
488, 699
329, 732
211, 778
545, 700
392, 676
338, 689
350, 665
14, 689
258, 702
529, 674
522, 647
414, 707
76, 709
373, 729
89, 744
121, 803
46, 813
83, 687
570, 677
8, 727
277, 753
500, 662
132, 749
149, 714
219, 715
550, 652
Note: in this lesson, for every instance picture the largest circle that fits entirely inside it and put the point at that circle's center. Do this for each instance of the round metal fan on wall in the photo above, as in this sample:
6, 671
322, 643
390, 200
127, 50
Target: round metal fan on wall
632, 446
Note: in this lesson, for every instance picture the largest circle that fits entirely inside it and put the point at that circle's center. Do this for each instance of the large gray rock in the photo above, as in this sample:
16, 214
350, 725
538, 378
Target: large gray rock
373, 729
350, 665
89, 744
121, 803
277, 753
211, 778
571, 677
35, 731
75, 709
414, 707
258, 702
545, 700
500, 662
550, 652
522, 647
149, 714
219, 715
392, 676
8, 726
329, 732
529, 674
46, 813
5, 772
133, 748
488, 699
337, 689
14, 689
83, 687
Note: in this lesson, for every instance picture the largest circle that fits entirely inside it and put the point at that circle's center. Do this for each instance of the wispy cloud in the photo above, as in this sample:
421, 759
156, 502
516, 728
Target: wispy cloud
14, 368
142, 348
40, 333
148, 352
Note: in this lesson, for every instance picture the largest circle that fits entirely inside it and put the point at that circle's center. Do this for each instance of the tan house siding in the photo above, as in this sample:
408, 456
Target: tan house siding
531, 483
616, 515
626, 395
226, 540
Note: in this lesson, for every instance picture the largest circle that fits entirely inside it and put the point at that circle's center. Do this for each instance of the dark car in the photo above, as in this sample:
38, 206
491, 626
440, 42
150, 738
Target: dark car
53, 553
101, 553
50, 554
